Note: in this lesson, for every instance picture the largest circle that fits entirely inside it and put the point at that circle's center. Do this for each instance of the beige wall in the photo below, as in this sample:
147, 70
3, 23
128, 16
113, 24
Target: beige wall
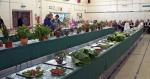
39, 7
117, 9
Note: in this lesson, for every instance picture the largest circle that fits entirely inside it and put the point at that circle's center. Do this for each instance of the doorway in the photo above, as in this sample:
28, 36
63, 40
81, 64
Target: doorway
25, 15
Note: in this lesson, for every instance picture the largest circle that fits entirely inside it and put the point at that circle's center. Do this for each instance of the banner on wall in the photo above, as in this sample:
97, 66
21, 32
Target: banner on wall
56, 8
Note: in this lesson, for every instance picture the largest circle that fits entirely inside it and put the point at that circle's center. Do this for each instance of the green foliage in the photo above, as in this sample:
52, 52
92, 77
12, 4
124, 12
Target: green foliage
118, 36
5, 32
83, 56
79, 29
41, 30
111, 38
62, 54
92, 27
23, 32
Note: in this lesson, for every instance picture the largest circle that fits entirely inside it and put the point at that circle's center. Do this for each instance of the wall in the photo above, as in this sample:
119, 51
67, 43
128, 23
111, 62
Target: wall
38, 7
7, 6
97, 9
71, 7
117, 9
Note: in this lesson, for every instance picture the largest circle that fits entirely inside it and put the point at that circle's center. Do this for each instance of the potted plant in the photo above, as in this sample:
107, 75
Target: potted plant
58, 32
79, 29
66, 32
92, 27
7, 42
99, 25
41, 32
60, 56
23, 33
86, 27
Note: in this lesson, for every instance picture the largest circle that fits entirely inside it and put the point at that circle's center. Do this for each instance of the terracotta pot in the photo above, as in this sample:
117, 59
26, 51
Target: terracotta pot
1, 43
86, 30
57, 33
8, 44
99, 28
43, 38
24, 41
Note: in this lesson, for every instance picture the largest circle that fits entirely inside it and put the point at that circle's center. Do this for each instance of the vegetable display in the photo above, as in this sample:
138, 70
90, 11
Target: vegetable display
83, 56
117, 36
58, 71
33, 73
104, 45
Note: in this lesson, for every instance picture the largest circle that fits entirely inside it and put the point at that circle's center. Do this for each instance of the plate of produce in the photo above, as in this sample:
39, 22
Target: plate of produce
58, 71
32, 73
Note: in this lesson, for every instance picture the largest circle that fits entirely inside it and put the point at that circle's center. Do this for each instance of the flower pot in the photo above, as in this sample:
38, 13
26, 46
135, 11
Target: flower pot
59, 60
66, 32
1, 43
43, 38
24, 41
86, 30
71, 30
92, 29
57, 34
8, 44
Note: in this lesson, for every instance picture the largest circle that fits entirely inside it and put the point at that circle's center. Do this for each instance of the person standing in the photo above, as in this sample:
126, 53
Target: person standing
1, 22
48, 20
126, 27
56, 22
25, 21
20, 21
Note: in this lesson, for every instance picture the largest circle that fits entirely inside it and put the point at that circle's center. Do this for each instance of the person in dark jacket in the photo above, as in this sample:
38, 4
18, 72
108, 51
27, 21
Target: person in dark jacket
20, 21
1, 22
48, 20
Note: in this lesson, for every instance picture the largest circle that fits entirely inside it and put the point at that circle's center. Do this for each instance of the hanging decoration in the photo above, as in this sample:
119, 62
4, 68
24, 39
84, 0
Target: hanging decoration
89, 1
66, 0
78, 1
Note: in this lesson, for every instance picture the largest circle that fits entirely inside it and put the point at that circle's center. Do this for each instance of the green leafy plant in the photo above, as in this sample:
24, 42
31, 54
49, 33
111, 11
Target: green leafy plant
79, 29
5, 32
117, 36
23, 32
83, 56
92, 27
6, 41
41, 31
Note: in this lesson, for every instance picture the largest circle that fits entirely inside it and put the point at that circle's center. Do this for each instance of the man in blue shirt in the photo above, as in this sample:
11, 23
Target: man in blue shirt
48, 20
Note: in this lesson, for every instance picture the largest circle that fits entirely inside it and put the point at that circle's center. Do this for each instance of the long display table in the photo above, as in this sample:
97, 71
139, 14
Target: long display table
17, 55
102, 63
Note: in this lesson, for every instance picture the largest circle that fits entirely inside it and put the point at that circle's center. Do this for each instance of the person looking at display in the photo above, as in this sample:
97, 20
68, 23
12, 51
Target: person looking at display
48, 20
56, 22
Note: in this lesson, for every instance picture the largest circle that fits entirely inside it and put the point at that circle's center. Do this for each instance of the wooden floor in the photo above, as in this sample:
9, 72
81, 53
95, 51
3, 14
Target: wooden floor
137, 66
